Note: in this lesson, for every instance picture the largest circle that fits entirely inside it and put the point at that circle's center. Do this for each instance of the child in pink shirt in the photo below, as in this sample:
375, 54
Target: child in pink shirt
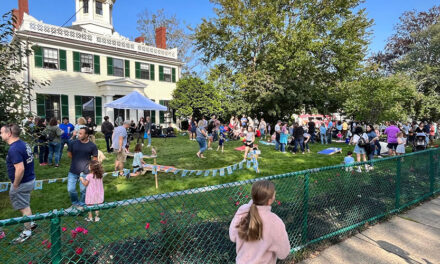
95, 187
259, 234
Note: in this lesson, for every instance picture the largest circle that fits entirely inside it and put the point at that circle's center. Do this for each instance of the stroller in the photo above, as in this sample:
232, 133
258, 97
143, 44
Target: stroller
419, 142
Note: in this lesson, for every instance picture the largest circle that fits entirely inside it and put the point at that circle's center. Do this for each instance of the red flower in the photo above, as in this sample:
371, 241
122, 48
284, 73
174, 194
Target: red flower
247, 196
49, 245
70, 241
79, 229
147, 226
237, 203
239, 194
73, 233
162, 213
85, 231
63, 229
278, 202
44, 242
30, 262
94, 253
163, 222
79, 251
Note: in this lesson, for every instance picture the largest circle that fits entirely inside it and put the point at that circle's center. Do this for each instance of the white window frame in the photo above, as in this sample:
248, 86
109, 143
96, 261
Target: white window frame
86, 66
122, 67
50, 59
85, 6
96, 8
145, 71
167, 75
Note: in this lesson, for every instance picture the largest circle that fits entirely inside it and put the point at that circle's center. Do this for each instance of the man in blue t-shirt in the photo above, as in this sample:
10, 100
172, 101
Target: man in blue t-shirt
81, 151
20, 166
65, 137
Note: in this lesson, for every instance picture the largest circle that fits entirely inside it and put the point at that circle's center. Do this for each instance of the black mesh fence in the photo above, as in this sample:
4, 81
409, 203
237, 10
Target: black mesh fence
192, 226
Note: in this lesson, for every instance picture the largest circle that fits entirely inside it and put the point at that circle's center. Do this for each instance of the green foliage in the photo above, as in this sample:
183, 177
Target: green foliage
195, 97
376, 98
423, 62
15, 91
414, 49
280, 57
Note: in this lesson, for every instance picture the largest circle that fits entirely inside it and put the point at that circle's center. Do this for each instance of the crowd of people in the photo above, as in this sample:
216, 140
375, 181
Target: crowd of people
86, 169
296, 136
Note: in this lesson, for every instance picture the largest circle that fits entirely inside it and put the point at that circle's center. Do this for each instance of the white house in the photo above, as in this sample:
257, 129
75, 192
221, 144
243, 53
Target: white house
88, 64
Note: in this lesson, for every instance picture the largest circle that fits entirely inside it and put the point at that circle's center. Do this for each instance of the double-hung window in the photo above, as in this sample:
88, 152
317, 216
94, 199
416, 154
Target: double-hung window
118, 67
50, 58
86, 6
99, 8
167, 74
86, 61
145, 71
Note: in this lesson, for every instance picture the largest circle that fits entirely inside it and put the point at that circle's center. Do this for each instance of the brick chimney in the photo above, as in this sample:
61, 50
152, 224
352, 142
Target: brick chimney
140, 39
161, 37
23, 7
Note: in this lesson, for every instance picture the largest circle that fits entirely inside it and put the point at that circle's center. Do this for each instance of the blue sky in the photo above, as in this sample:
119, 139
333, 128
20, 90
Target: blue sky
384, 12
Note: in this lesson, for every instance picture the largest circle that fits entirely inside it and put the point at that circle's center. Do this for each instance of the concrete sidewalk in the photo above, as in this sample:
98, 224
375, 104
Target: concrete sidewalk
412, 237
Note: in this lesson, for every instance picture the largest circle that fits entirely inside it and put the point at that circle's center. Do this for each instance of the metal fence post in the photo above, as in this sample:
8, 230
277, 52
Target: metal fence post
431, 172
55, 238
398, 178
305, 208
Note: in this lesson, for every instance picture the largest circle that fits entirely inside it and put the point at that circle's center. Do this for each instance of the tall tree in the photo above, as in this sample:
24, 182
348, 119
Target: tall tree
195, 97
402, 41
376, 98
284, 55
422, 61
178, 34
15, 92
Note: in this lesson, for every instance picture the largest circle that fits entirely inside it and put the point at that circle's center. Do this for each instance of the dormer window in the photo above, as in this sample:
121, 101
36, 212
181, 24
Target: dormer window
86, 6
99, 8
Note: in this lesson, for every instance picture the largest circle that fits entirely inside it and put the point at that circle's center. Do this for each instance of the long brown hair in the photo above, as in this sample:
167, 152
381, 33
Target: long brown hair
96, 169
250, 227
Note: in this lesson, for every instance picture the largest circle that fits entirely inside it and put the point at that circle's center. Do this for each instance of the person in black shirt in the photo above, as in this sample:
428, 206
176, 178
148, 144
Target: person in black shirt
81, 151
312, 131
107, 129
92, 126
43, 148
140, 129
298, 134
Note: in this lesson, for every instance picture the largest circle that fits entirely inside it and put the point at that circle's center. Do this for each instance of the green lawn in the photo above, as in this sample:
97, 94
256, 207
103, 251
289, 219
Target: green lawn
194, 227
178, 152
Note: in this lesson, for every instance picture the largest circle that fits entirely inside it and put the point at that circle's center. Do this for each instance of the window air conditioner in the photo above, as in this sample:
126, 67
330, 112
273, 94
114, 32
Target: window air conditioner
86, 69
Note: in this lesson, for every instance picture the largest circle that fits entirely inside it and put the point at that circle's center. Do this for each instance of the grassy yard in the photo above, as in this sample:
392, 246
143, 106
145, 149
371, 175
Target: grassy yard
180, 153
194, 227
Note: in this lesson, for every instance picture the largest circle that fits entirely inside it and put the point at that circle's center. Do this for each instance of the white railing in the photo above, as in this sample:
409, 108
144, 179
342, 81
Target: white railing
96, 38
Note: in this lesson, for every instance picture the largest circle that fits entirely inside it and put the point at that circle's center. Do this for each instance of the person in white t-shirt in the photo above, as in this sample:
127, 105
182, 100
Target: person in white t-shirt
360, 140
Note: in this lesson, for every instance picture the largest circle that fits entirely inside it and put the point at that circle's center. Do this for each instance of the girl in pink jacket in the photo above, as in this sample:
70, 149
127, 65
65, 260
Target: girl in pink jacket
259, 234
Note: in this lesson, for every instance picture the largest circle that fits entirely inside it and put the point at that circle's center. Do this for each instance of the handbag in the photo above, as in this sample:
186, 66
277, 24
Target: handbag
145, 135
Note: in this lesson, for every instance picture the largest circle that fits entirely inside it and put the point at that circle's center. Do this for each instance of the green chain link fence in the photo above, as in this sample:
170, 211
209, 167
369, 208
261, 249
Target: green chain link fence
192, 226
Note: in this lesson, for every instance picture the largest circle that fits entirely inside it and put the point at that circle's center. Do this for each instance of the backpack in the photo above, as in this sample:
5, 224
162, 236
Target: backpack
51, 134
362, 142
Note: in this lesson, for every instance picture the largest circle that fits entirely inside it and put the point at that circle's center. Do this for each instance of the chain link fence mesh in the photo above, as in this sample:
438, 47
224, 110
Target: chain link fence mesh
192, 226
